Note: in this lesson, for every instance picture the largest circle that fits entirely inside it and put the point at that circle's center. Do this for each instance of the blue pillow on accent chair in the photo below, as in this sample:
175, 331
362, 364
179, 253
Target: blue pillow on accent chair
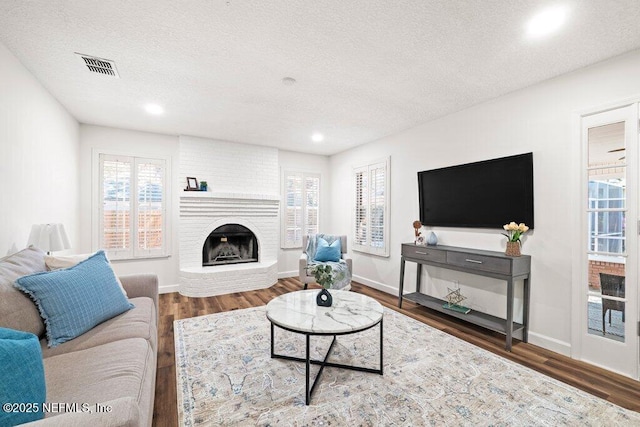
327, 252
74, 300
22, 382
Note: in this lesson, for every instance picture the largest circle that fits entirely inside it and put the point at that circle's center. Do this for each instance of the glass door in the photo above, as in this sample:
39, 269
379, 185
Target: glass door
610, 240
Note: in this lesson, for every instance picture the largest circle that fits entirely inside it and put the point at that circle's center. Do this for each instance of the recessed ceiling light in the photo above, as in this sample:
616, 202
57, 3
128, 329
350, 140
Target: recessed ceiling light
288, 81
547, 21
317, 137
154, 109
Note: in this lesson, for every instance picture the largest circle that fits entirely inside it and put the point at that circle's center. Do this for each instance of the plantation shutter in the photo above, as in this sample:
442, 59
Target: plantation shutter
362, 193
371, 208
377, 199
116, 204
312, 197
300, 207
151, 203
129, 226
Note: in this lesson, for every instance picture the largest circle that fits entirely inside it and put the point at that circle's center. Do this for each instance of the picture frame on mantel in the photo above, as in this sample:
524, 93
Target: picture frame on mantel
192, 184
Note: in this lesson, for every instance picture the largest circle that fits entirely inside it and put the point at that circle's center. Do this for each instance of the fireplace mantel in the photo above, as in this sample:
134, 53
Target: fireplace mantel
219, 195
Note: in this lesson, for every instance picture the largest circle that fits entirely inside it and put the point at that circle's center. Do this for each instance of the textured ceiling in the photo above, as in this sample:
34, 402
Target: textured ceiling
364, 68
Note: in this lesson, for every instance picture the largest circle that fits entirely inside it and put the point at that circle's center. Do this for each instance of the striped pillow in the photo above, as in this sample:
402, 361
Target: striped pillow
74, 300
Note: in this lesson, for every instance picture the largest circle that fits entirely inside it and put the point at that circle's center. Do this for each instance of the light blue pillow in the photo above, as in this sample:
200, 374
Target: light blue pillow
74, 300
22, 384
328, 252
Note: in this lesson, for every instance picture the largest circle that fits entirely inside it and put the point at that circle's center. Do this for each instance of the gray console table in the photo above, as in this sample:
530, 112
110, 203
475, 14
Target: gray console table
478, 262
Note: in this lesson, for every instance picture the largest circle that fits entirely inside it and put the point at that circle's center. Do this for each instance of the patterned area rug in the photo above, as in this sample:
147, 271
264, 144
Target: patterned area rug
225, 376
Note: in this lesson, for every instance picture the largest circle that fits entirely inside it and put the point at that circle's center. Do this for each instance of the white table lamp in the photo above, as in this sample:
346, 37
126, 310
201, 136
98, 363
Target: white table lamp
49, 237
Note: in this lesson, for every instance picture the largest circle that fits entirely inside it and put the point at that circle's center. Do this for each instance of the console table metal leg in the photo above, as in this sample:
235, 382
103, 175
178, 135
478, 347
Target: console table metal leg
509, 325
401, 282
418, 277
525, 310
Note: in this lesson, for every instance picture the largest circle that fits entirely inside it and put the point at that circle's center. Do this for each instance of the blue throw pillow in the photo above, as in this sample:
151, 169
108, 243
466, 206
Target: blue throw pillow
22, 385
74, 300
328, 252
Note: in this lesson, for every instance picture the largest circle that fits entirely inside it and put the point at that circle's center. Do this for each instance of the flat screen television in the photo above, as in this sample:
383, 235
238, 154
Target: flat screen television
486, 194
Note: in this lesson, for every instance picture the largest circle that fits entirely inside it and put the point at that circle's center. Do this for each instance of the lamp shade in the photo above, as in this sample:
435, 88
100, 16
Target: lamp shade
49, 237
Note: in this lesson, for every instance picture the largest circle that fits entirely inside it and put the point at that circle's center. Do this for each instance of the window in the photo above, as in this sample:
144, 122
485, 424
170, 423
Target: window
606, 215
371, 215
132, 227
300, 208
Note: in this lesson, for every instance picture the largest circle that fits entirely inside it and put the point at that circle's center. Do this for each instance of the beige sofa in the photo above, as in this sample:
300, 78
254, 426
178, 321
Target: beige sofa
111, 369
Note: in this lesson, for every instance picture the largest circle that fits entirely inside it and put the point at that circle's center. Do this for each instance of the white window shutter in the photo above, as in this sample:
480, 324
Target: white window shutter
312, 198
371, 208
115, 207
151, 203
300, 212
132, 203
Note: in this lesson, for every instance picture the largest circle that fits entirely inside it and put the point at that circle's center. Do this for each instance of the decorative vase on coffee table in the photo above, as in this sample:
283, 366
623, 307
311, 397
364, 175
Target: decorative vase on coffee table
324, 298
513, 249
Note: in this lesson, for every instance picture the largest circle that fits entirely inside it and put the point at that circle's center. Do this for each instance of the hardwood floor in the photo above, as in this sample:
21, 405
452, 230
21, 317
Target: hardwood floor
599, 382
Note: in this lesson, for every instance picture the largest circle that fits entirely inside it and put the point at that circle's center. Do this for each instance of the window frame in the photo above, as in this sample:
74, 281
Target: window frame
369, 167
97, 189
285, 172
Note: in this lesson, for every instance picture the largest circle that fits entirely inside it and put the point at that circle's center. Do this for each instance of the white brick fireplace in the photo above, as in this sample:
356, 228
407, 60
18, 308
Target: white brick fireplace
243, 189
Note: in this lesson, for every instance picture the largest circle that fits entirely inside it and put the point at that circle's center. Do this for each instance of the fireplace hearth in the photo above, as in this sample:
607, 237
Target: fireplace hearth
230, 244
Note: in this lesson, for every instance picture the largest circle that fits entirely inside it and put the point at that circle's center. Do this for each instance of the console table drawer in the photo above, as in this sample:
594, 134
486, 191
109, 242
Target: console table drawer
422, 252
480, 262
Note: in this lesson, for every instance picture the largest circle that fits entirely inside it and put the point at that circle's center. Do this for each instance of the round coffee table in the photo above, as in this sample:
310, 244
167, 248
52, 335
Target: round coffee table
350, 313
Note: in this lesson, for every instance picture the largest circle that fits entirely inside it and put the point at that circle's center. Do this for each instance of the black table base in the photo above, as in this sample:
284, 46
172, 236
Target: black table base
308, 361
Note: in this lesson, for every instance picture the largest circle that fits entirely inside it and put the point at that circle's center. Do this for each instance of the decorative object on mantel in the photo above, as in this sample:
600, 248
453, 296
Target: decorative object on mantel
419, 240
49, 237
433, 239
514, 233
203, 185
192, 184
454, 298
323, 273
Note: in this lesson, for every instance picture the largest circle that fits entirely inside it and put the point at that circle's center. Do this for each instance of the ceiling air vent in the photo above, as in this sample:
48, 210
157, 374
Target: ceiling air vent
102, 66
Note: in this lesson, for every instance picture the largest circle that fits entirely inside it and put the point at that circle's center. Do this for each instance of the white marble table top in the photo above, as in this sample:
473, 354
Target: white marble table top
350, 312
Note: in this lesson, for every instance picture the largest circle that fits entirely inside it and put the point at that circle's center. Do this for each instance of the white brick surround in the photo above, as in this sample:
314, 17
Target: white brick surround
243, 189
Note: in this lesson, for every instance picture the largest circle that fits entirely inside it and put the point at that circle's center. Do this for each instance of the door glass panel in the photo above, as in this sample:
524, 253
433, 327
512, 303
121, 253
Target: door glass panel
606, 213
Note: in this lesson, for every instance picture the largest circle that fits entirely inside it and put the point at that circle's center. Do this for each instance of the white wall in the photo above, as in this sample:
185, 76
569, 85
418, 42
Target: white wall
39, 149
127, 142
288, 258
537, 119
229, 167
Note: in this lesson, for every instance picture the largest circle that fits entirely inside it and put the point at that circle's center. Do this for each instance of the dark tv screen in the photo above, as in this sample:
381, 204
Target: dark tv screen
485, 194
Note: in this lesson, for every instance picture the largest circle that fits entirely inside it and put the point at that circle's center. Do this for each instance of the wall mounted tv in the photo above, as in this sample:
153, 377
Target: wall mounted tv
485, 194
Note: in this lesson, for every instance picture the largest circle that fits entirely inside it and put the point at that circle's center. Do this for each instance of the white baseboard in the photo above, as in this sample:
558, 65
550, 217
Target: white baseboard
287, 274
376, 285
167, 289
552, 344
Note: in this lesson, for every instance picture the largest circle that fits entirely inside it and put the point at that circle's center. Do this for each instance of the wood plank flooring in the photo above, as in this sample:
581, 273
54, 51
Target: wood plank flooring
599, 382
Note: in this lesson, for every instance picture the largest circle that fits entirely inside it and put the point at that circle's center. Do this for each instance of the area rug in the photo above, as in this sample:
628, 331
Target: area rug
225, 376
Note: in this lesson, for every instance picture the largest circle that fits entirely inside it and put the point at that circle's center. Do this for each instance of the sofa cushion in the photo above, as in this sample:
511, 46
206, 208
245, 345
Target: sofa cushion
17, 311
139, 322
22, 377
124, 368
54, 263
327, 252
74, 300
